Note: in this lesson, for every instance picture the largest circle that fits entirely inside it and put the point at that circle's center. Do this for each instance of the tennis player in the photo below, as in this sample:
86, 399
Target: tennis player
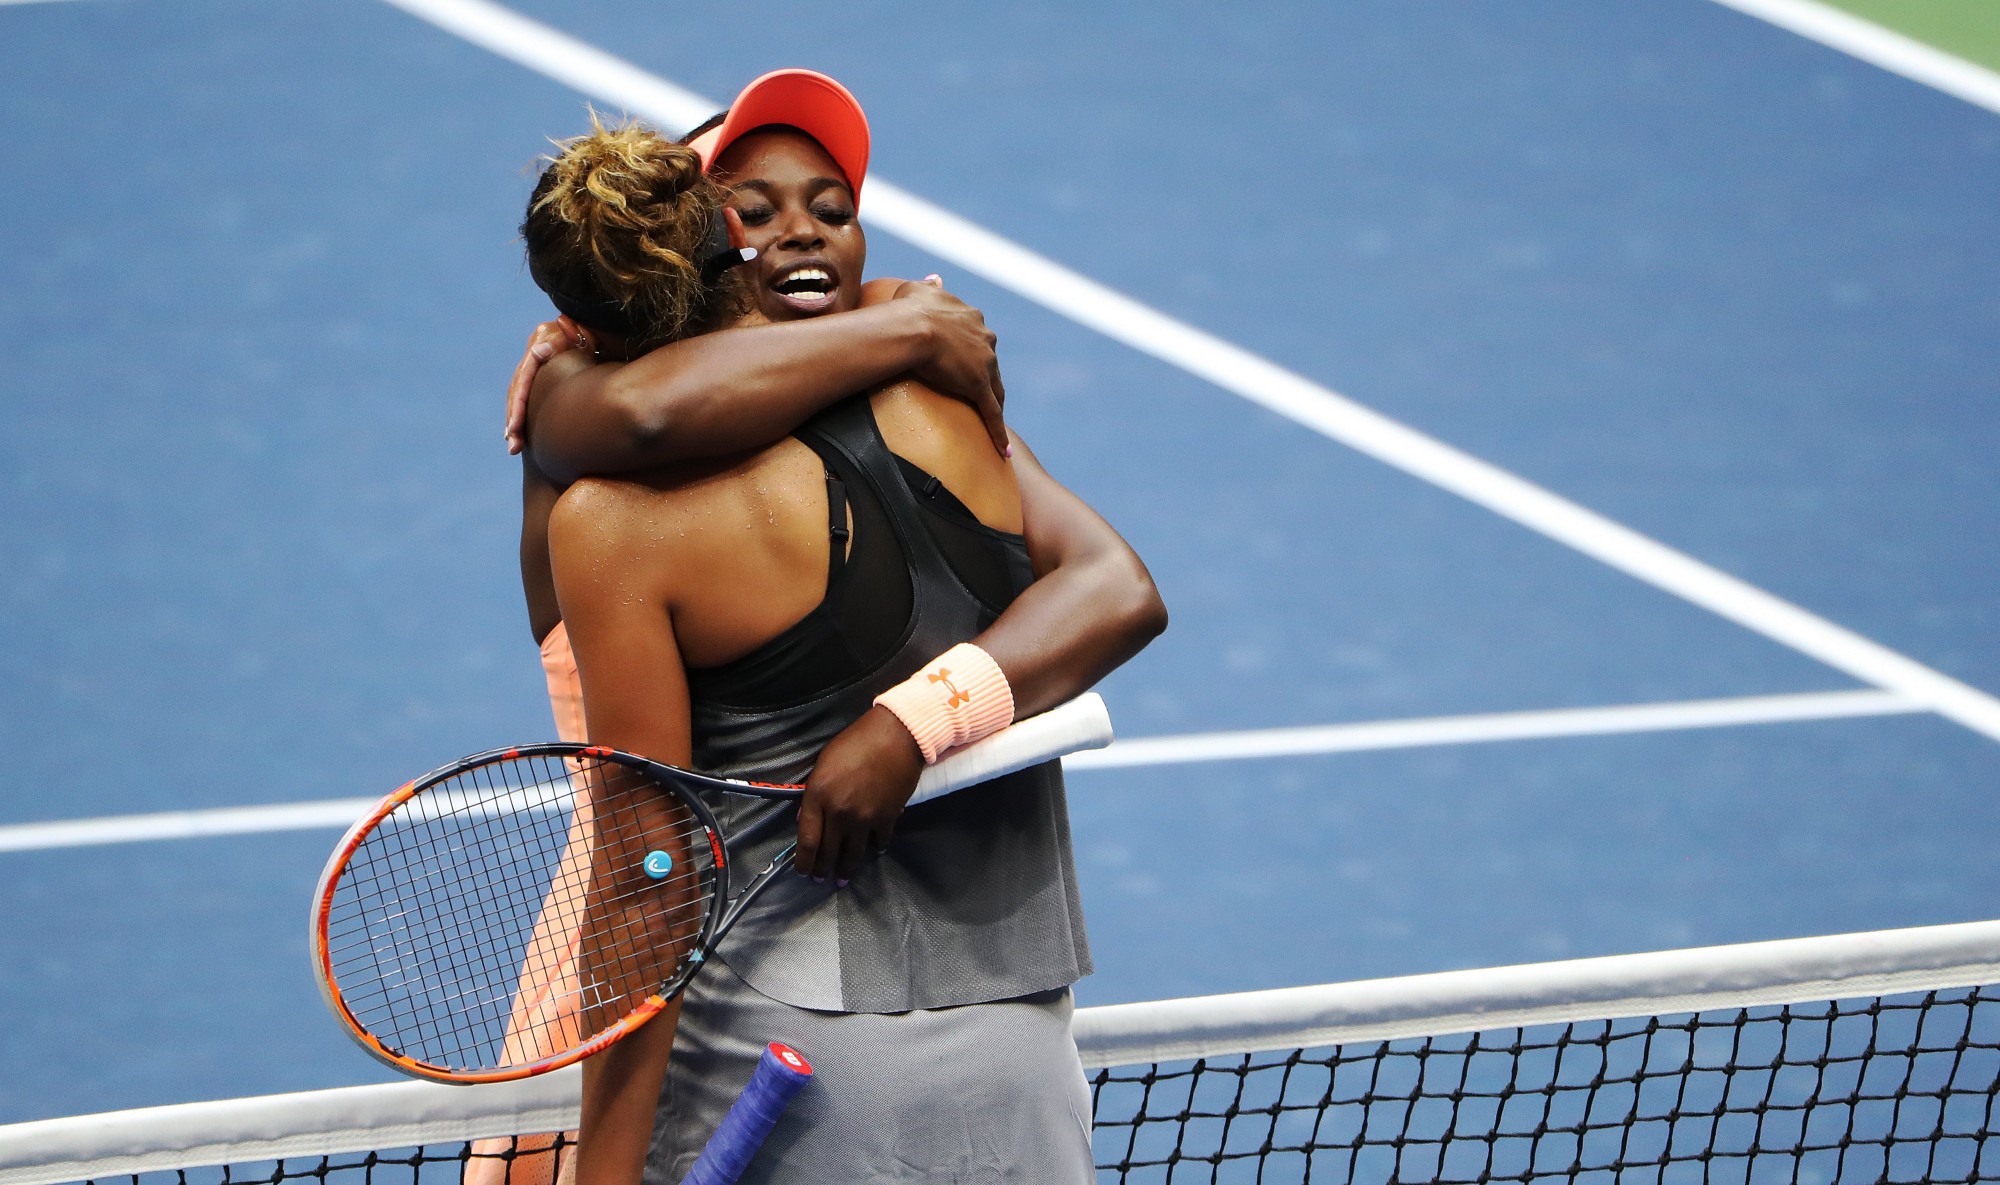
740, 613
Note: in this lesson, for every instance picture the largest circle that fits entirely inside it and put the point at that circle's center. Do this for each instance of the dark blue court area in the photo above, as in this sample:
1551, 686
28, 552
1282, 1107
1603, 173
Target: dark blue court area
261, 292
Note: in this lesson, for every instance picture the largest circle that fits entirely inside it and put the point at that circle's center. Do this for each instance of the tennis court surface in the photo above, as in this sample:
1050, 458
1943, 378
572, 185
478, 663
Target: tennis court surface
1562, 432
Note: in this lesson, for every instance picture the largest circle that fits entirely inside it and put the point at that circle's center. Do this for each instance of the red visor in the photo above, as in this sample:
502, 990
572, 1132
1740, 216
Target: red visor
806, 100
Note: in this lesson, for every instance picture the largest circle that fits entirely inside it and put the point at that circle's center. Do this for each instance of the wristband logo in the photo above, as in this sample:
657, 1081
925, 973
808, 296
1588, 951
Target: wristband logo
957, 698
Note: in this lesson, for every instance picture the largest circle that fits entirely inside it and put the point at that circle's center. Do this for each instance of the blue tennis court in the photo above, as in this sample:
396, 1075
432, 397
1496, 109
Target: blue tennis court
1726, 287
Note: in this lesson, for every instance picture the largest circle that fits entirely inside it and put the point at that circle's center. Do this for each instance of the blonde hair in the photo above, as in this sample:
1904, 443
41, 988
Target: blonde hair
619, 218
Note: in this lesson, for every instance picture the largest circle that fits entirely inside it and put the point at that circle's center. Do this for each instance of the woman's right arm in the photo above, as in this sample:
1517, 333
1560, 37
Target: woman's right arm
615, 597
1092, 606
742, 388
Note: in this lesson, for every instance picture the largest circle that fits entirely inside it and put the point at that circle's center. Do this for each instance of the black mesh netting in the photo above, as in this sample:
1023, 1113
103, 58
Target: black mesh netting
1899, 1088
1894, 1089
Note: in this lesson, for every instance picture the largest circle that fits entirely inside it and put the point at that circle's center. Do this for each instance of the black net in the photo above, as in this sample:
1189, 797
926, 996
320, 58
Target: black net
504, 1161
1899, 1088
1891, 1089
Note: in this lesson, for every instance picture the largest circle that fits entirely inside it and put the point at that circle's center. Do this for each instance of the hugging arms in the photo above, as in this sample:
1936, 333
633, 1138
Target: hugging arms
1091, 607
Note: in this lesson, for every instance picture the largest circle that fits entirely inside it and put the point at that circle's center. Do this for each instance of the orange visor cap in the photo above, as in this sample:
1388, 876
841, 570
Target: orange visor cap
806, 100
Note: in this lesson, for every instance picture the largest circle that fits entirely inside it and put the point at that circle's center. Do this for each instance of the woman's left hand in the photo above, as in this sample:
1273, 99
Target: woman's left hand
855, 794
549, 339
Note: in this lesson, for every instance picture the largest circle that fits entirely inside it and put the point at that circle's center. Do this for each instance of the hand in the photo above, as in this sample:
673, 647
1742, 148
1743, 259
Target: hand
549, 339
963, 364
855, 794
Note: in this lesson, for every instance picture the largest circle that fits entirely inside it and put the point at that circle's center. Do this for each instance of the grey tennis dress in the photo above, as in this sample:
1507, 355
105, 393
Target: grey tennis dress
932, 993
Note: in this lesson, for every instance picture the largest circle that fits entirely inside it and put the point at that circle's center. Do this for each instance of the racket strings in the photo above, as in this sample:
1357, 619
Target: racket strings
632, 924
455, 932
505, 914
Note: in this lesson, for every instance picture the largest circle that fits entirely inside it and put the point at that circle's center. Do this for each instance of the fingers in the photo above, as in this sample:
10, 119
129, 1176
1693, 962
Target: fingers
842, 866
981, 389
996, 396
517, 389
837, 847
855, 795
547, 339
806, 857
995, 422
857, 847
818, 859
989, 411
833, 844
1000, 405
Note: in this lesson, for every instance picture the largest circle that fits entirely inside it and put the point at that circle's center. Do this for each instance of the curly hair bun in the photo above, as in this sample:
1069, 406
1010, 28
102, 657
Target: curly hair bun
619, 216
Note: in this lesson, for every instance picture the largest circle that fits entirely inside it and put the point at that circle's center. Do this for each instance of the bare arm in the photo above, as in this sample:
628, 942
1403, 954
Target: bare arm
635, 697
742, 388
613, 577
1092, 606
538, 499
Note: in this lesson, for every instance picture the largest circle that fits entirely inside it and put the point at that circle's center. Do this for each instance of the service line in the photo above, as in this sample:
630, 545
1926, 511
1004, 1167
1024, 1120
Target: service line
234, 820
1496, 726
334, 814
1047, 283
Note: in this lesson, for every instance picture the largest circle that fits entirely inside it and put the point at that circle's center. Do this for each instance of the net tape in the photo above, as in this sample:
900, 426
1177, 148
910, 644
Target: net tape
1866, 1057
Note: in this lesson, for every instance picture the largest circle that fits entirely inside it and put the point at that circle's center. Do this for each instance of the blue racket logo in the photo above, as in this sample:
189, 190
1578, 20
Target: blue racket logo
658, 864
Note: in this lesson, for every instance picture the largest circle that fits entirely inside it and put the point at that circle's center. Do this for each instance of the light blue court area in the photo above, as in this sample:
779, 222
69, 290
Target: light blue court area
1724, 286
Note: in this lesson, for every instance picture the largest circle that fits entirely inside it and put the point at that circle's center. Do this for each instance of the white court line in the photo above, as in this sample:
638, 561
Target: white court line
236, 820
1498, 726
1892, 51
604, 77
1167, 750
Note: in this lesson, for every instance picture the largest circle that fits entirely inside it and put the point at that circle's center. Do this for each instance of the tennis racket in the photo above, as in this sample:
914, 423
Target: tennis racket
522, 909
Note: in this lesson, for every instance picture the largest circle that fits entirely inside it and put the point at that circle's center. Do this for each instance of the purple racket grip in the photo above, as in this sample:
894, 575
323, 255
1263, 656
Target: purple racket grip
780, 1074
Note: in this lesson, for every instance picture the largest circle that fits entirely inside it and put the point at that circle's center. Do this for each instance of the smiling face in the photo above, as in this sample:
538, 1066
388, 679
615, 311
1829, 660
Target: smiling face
798, 212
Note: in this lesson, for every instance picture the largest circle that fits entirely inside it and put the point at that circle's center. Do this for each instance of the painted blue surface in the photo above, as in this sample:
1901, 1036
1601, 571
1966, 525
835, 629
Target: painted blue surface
261, 293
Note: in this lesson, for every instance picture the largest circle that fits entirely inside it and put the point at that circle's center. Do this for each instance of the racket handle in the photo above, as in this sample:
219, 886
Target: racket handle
780, 1074
1082, 723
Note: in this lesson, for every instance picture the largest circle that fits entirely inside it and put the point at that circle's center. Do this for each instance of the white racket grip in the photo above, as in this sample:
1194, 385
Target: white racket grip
1082, 723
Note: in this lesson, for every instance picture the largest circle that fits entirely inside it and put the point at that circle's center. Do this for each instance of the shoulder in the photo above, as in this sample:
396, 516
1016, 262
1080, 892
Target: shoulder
947, 439
618, 537
602, 501
908, 412
597, 516
880, 290
674, 509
